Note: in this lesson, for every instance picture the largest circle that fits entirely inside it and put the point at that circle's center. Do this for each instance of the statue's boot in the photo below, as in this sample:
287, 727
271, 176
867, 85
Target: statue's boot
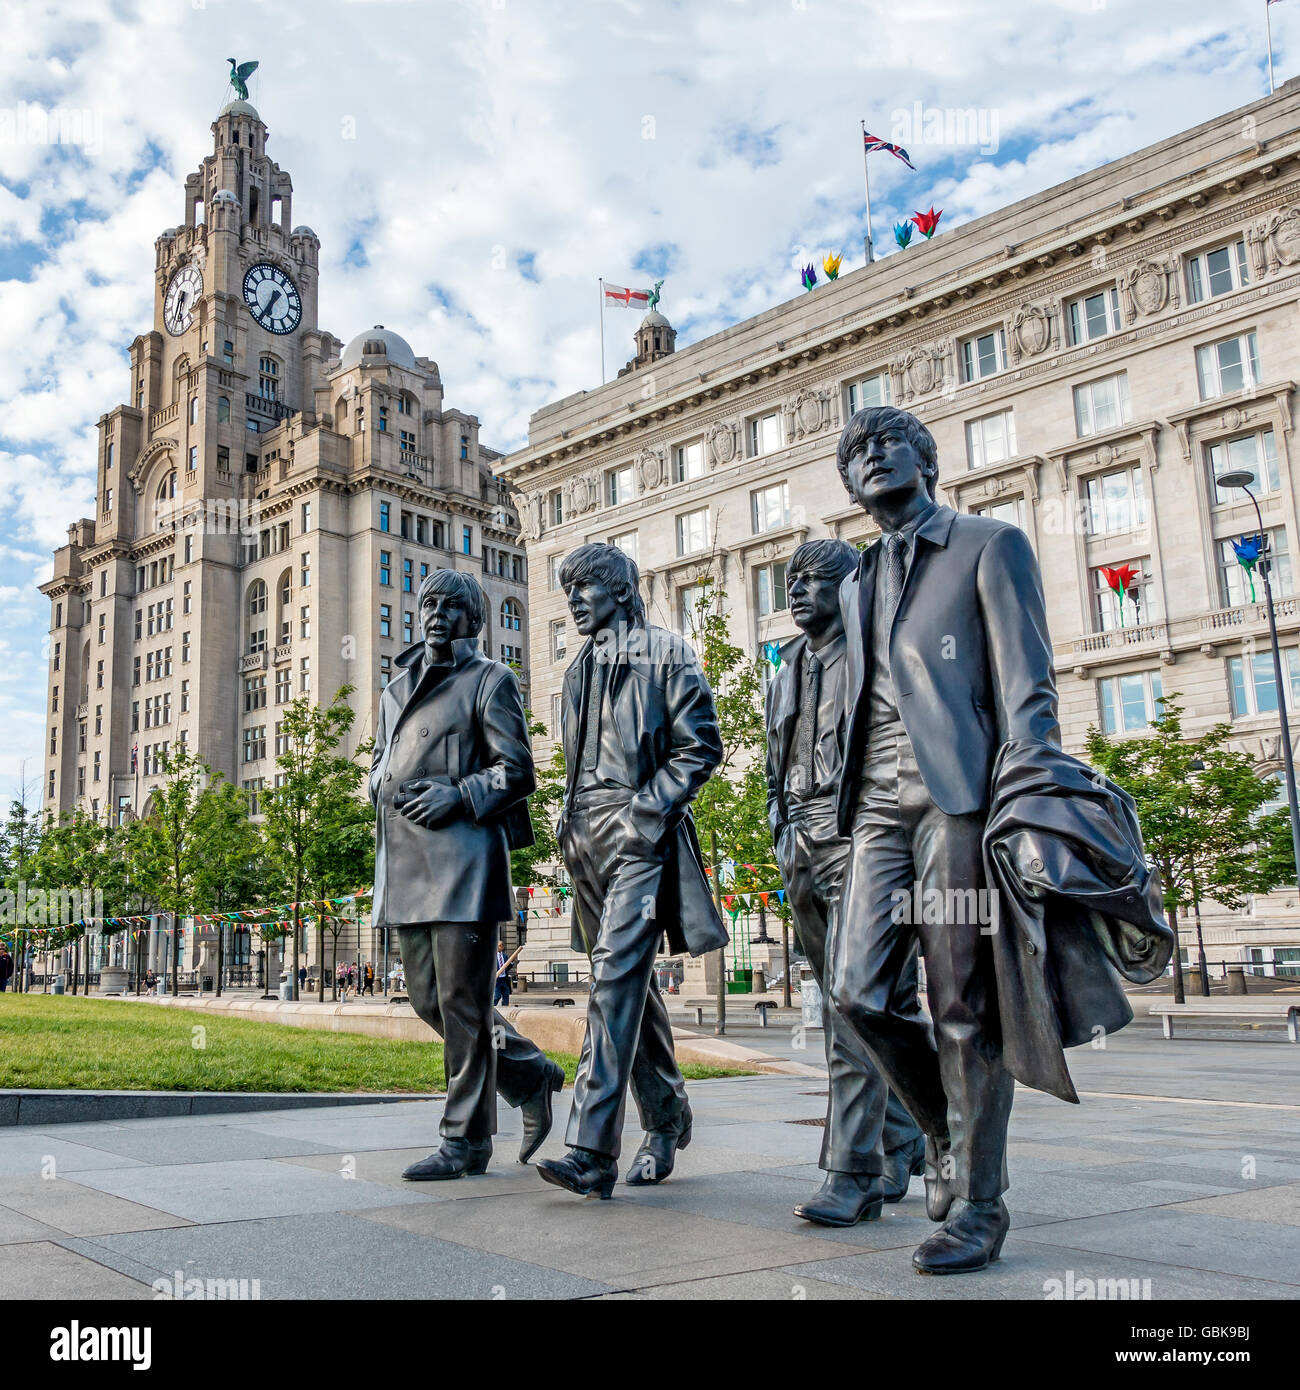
938, 1190
654, 1159
901, 1166
970, 1239
844, 1200
536, 1112
458, 1158
582, 1171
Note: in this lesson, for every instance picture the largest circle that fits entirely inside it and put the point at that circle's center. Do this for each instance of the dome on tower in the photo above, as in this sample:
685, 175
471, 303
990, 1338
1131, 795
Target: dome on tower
304, 230
240, 108
378, 342
654, 319
224, 195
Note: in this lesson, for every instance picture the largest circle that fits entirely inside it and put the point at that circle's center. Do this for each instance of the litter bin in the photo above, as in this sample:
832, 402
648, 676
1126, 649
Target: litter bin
207, 984
286, 985
811, 994
57, 986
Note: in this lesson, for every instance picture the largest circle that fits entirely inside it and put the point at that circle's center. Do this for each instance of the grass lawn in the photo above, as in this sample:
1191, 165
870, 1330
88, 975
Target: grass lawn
58, 1042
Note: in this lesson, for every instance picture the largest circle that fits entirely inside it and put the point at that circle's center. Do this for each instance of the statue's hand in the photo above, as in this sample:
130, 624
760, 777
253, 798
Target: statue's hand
431, 803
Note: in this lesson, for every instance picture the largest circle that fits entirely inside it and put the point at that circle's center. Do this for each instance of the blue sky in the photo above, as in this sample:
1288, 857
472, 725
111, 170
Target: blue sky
472, 167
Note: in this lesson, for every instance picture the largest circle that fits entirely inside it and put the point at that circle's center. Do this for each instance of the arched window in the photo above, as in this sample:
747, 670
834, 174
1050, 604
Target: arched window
167, 488
223, 410
284, 596
512, 617
257, 601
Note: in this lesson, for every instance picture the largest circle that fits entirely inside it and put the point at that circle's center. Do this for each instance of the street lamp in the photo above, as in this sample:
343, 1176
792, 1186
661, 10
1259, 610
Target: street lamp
1242, 478
1197, 765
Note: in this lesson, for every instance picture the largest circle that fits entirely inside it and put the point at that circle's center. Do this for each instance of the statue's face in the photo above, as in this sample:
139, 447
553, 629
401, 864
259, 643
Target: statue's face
814, 601
444, 618
885, 468
593, 607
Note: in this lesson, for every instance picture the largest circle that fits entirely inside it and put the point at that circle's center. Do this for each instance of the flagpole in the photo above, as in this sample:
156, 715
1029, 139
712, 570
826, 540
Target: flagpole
866, 182
602, 331
1268, 26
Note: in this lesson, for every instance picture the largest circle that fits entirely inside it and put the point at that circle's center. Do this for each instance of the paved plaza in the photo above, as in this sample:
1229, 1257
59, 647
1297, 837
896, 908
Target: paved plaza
1181, 1167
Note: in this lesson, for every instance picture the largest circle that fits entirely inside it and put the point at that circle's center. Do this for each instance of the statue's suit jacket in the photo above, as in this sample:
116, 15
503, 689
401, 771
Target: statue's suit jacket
969, 652
782, 713
662, 709
464, 724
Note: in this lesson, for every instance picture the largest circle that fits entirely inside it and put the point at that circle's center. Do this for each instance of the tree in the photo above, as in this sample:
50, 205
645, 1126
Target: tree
528, 866
1200, 806
230, 869
170, 844
20, 837
79, 861
319, 833
733, 802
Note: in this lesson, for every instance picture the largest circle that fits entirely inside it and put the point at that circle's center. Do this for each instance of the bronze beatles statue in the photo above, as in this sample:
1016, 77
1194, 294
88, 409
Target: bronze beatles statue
640, 739
451, 771
918, 798
871, 1146
970, 832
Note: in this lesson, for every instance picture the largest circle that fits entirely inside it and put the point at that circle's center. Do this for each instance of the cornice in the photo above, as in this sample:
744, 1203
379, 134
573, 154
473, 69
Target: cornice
1132, 216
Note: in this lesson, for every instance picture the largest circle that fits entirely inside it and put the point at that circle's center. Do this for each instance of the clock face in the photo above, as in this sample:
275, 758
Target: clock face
183, 291
272, 298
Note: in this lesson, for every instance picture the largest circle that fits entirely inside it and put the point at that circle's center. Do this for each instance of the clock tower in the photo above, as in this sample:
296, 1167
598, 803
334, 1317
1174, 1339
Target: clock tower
267, 502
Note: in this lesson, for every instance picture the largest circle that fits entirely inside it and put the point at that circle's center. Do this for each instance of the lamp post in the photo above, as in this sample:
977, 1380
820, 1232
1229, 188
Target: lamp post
1242, 478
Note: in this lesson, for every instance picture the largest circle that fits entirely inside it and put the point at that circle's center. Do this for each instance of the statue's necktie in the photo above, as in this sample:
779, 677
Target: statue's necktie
595, 698
812, 685
895, 546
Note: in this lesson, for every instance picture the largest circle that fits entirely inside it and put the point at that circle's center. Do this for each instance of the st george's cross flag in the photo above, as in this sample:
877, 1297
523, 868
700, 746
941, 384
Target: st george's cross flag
874, 143
625, 298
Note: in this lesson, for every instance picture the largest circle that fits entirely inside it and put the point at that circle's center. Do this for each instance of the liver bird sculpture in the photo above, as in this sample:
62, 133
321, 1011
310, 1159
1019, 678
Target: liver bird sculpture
239, 76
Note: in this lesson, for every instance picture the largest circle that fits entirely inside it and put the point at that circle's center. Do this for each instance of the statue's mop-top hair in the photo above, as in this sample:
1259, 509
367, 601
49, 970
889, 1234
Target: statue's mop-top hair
824, 559
607, 565
875, 420
465, 587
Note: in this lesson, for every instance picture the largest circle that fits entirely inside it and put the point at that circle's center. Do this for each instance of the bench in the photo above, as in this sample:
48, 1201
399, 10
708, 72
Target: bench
1257, 1011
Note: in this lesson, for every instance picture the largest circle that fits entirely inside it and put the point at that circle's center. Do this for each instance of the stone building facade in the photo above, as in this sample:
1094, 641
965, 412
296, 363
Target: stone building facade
268, 501
1088, 360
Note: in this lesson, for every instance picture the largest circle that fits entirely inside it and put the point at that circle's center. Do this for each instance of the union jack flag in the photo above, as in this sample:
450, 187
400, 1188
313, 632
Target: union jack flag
874, 143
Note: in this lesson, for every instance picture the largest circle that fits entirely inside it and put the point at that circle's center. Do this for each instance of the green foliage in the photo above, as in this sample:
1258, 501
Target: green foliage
733, 803
319, 834
1202, 826
529, 866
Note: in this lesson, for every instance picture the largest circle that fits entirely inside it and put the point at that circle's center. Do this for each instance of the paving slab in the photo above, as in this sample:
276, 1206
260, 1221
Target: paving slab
146, 1141
386, 1165
47, 1271
240, 1190
1036, 1272
72, 1208
1280, 1204
25, 1152
1190, 1240
754, 1284
346, 1257
16, 1228
622, 1241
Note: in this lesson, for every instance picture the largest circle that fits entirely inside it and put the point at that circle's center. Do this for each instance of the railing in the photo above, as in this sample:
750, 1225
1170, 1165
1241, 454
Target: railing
164, 416
1121, 638
283, 652
262, 405
252, 661
1248, 614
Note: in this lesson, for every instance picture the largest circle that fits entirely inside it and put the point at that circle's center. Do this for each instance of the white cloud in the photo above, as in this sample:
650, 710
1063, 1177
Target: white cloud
481, 126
